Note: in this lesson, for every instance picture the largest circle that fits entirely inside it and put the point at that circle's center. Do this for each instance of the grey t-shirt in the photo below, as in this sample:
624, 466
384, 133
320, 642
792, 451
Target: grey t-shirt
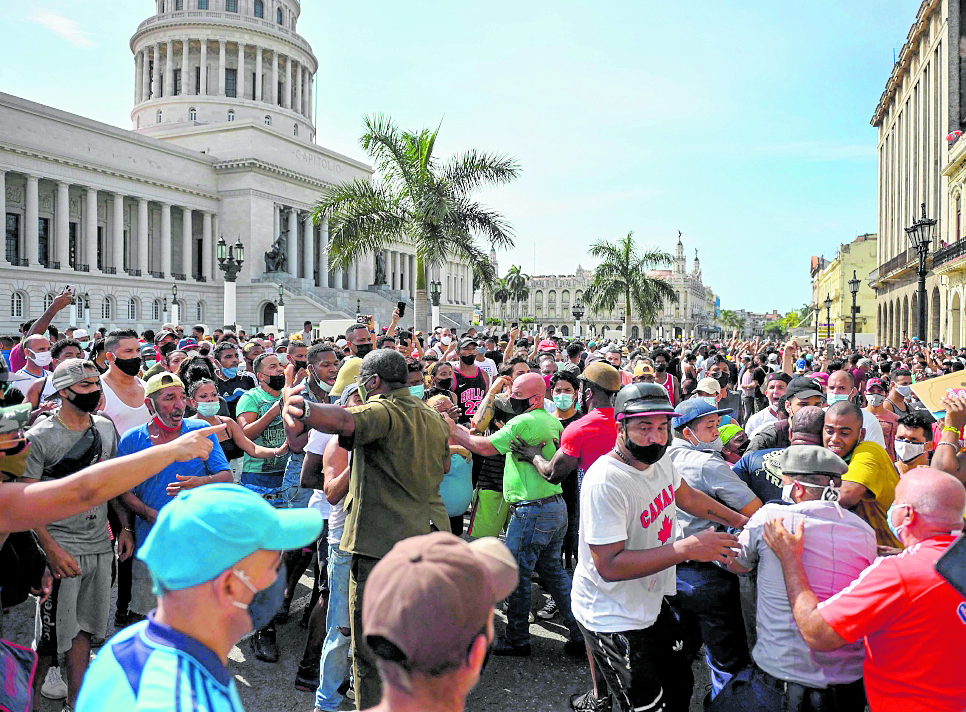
84, 533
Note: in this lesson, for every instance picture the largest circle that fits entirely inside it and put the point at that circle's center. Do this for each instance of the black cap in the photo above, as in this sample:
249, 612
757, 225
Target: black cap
639, 399
468, 341
803, 388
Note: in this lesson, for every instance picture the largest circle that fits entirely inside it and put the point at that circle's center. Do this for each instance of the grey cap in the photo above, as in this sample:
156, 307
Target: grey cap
72, 371
811, 460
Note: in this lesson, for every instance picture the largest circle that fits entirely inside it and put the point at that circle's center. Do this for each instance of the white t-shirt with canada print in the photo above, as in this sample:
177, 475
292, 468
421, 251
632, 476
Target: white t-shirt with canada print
621, 503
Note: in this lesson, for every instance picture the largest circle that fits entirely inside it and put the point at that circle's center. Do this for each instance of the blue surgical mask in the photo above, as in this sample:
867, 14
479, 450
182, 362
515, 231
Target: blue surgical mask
208, 410
836, 398
229, 373
417, 391
266, 602
892, 527
563, 401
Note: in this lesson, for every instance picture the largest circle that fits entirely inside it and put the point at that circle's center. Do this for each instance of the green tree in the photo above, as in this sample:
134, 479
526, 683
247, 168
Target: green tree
731, 321
502, 294
621, 278
516, 281
416, 198
775, 330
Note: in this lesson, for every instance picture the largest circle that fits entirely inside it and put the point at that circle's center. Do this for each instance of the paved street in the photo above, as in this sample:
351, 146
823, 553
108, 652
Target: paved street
542, 682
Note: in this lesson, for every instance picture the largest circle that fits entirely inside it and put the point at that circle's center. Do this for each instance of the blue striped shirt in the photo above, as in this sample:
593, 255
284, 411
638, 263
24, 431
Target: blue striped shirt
149, 666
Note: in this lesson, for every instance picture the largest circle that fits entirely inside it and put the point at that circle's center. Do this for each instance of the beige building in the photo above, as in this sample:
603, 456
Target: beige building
830, 281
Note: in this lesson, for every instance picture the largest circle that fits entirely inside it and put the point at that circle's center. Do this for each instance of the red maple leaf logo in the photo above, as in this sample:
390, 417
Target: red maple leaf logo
665, 532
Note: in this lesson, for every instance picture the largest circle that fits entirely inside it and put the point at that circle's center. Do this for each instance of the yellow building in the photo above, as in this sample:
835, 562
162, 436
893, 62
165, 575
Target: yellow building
949, 261
830, 280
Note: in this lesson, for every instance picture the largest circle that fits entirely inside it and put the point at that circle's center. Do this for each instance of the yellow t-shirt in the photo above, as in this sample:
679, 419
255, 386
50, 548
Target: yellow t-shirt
871, 467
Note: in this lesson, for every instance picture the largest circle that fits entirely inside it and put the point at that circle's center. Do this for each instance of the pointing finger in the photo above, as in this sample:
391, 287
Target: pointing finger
211, 429
289, 375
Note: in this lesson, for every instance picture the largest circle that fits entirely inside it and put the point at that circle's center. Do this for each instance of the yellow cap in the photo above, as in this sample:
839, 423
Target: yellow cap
161, 380
347, 374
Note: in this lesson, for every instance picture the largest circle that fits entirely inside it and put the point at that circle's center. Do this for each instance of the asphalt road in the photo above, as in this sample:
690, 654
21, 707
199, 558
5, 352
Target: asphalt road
542, 682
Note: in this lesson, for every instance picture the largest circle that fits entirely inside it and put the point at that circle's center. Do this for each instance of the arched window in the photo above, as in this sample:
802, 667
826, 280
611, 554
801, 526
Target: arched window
132, 308
268, 120
278, 16
296, 131
159, 116
268, 314
48, 301
156, 310
192, 114
259, 8
106, 310
199, 312
231, 114
16, 305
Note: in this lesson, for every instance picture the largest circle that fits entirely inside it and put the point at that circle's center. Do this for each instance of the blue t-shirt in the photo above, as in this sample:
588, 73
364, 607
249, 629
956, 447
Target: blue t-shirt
761, 472
153, 490
456, 489
149, 666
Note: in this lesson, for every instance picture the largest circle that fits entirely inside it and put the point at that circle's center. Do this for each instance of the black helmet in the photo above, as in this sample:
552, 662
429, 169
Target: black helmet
637, 399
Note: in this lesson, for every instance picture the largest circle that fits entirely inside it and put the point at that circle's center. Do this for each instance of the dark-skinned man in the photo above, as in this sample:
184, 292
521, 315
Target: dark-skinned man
799, 393
708, 603
531, 498
628, 554
399, 456
472, 382
869, 487
911, 619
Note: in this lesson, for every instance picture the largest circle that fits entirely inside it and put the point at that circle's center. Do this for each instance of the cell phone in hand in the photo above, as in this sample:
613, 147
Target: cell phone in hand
401, 306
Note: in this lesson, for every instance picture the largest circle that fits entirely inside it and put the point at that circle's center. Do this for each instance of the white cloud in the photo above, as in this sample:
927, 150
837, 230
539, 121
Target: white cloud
63, 27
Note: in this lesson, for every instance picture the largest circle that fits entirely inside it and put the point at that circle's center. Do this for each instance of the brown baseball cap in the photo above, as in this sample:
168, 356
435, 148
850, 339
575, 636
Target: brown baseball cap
431, 595
604, 375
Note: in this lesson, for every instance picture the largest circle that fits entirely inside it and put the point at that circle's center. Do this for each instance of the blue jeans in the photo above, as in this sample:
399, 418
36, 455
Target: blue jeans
535, 535
295, 497
708, 606
334, 663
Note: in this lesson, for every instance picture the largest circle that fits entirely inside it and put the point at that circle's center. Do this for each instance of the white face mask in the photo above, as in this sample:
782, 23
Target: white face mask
907, 451
42, 358
875, 399
712, 445
904, 391
446, 340
830, 493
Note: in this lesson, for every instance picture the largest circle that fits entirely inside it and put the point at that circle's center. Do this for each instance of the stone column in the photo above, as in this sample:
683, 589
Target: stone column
142, 263
185, 67
308, 259
204, 67
221, 67
278, 222
287, 84
240, 73
412, 276
214, 273
292, 242
117, 262
145, 74
311, 105
62, 220
169, 69
156, 74
32, 216
298, 88
258, 73
165, 240
138, 73
186, 233
3, 214
206, 245
323, 254
274, 92
90, 231
394, 261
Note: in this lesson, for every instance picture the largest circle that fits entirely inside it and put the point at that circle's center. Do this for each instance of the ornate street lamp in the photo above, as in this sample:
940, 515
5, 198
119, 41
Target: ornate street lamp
230, 260
174, 304
435, 292
578, 312
280, 313
828, 317
854, 289
920, 235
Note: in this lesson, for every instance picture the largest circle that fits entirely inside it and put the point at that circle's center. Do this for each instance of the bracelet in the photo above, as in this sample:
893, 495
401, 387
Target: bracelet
943, 442
128, 529
306, 411
950, 429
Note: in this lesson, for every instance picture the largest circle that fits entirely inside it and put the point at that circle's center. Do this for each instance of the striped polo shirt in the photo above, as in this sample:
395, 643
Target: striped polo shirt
151, 666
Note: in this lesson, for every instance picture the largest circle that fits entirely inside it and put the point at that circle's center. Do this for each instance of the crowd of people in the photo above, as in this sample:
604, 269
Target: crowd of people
780, 506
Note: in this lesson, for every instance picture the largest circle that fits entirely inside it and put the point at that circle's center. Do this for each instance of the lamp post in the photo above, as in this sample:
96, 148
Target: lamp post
920, 235
854, 289
828, 317
230, 261
818, 314
174, 304
358, 309
280, 312
578, 313
435, 291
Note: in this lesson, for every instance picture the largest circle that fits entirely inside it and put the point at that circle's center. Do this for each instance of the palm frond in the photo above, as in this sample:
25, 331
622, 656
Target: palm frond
473, 170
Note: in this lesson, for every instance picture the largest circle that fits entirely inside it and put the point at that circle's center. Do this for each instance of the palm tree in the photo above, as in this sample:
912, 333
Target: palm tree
517, 282
731, 321
502, 294
621, 277
417, 198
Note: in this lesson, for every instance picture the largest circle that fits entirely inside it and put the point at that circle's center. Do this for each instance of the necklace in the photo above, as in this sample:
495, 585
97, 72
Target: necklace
76, 430
622, 456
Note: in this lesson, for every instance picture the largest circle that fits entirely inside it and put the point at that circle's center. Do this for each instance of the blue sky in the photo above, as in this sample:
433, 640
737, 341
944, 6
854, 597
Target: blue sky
743, 124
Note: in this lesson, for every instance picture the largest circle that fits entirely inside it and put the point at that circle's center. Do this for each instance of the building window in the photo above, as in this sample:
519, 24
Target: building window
199, 312
156, 310
202, 4
268, 120
159, 116
100, 247
231, 114
259, 8
296, 130
48, 301
106, 311
16, 305
278, 100
13, 238
179, 4
192, 114
198, 80
231, 83
231, 5
278, 17
71, 245
43, 240
177, 82
132, 308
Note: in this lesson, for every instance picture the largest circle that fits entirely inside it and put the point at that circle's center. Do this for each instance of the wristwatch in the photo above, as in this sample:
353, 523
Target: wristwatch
306, 410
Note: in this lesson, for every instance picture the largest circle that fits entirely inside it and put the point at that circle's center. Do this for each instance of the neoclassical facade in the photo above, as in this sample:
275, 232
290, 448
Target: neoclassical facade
223, 145
552, 298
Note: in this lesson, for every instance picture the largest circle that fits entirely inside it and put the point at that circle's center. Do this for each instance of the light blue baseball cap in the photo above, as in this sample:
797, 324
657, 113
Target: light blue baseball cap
207, 530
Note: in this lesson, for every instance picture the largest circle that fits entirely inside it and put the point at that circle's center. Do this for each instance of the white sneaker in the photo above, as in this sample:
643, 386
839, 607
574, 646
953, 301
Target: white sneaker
54, 687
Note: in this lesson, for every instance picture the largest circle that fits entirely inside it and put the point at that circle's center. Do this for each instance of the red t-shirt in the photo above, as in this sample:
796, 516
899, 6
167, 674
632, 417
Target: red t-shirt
590, 437
914, 624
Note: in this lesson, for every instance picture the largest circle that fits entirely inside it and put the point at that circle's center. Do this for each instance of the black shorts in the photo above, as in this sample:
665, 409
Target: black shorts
646, 670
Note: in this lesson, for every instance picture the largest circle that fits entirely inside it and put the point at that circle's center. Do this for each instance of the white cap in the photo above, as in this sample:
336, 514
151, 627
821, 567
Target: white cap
80, 335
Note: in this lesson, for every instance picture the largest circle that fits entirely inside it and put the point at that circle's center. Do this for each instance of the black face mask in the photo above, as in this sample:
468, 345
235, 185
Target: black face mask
660, 367
647, 454
363, 349
468, 359
168, 348
130, 366
300, 365
722, 379
276, 383
519, 405
86, 402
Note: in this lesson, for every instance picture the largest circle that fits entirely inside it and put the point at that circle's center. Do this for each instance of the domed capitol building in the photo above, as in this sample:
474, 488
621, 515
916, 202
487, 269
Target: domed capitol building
223, 145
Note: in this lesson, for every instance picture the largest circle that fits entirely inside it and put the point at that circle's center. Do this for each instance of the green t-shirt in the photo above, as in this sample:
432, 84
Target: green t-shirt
521, 481
258, 401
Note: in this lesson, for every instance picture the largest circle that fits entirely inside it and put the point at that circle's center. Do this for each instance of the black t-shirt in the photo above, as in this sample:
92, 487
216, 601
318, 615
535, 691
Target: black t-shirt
232, 389
759, 375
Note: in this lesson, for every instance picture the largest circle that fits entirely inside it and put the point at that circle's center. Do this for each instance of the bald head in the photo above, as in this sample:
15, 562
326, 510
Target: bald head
938, 498
528, 385
806, 426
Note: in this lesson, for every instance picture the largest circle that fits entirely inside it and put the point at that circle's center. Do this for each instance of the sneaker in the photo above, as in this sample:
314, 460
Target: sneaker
575, 648
345, 689
502, 646
283, 613
54, 687
122, 619
548, 611
586, 702
307, 679
264, 645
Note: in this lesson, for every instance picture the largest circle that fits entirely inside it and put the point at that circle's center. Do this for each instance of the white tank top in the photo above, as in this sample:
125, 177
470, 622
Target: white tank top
121, 414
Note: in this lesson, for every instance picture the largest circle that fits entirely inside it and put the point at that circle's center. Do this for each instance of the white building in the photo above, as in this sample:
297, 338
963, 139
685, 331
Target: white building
223, 145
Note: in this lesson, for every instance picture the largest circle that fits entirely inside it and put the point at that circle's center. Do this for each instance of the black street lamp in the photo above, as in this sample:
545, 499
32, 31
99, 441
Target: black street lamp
174, 304
828, 317
358, 309
578, 312
230, 260
854, 289
435, 292
920, 235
